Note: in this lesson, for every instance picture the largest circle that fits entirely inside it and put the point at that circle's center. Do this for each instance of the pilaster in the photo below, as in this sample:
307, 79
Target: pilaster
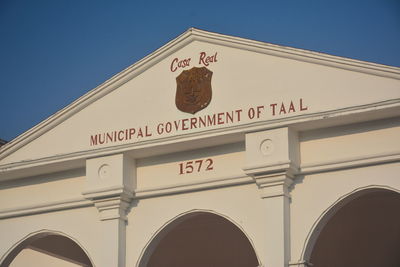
110, 183
272, 159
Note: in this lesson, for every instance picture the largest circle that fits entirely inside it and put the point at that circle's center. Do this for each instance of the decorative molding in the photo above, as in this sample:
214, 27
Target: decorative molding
232, 180
112, 204
354, 162
273, 182
286, 167
118, 197
45, 207
290, 170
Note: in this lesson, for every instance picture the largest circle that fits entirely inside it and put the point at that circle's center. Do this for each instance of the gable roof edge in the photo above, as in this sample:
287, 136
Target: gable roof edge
299, 54
193, 34
93, 95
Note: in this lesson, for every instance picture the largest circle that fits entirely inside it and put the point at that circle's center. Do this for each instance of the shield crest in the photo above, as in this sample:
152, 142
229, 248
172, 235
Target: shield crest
193, 91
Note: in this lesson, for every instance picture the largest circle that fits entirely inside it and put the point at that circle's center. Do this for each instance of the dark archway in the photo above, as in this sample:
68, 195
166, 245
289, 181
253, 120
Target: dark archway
51, 244
363, 232
200, 239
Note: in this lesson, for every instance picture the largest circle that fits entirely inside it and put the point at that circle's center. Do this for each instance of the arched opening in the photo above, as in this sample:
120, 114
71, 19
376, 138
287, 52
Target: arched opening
200, 239
47, 249
363, 231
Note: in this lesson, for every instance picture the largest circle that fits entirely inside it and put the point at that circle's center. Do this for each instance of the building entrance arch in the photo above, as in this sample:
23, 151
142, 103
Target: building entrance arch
46, 248
200, 239
362, 229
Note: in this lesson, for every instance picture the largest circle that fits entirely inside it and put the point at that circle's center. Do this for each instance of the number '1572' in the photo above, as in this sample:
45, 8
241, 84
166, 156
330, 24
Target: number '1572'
196, 166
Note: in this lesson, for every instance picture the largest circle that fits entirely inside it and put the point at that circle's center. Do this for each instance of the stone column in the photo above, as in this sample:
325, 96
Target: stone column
272, 159
110, 183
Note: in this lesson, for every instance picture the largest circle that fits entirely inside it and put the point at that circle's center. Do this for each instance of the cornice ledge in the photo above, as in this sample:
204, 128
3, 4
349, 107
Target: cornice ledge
353, 162
107, 193
259, 171
322, 116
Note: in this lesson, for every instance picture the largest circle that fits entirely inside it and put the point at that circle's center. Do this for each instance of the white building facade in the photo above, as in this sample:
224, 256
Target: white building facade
212, 151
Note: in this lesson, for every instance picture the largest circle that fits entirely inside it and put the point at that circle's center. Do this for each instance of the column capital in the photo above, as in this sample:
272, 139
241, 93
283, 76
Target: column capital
272, 159
110, 183
113, 204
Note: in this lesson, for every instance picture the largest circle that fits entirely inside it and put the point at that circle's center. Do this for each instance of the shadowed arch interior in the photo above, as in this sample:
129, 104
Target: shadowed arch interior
54, 245
201, 239
363, 233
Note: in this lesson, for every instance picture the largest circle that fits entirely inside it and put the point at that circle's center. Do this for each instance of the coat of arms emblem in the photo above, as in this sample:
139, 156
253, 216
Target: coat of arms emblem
193, 91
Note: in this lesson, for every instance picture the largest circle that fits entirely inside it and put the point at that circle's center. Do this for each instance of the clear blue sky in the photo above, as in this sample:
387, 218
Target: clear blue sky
52, 52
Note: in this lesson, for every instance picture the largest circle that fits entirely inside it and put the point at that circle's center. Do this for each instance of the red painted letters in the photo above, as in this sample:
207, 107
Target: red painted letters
284, 108
204, 60
176, 63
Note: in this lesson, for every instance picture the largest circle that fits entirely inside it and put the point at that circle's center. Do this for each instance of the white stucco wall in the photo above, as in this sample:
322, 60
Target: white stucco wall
274, 176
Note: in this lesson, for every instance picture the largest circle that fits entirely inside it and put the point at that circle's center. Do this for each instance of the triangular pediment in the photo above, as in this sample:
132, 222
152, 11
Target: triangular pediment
253, 84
